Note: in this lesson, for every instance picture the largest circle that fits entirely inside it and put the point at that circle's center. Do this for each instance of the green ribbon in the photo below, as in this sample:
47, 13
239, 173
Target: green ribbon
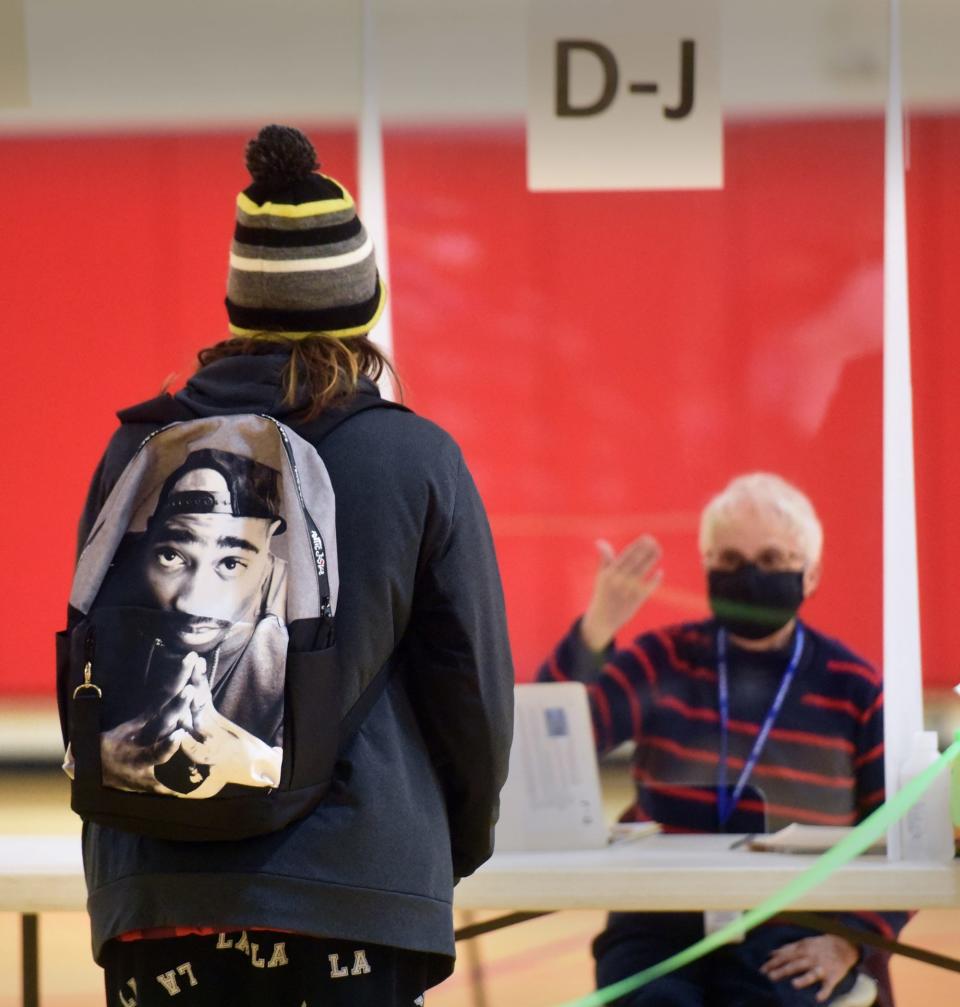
861, 839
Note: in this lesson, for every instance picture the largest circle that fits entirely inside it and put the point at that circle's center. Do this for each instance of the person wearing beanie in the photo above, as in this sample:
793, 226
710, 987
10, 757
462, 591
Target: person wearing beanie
351, 904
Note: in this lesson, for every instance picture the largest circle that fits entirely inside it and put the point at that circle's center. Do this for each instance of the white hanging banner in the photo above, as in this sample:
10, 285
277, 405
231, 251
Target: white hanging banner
14, 89
624, 94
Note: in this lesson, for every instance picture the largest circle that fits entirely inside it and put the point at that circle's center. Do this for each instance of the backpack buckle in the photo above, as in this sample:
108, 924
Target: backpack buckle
87, 684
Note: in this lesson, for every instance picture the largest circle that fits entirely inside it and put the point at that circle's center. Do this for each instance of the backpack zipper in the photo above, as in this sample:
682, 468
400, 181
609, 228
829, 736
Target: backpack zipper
316, 540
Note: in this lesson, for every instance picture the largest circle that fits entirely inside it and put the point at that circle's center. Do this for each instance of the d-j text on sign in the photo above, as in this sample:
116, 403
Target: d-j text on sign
14, 92
624, 94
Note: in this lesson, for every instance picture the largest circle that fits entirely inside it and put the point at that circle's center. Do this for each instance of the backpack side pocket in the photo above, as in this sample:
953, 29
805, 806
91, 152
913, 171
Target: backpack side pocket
312, 701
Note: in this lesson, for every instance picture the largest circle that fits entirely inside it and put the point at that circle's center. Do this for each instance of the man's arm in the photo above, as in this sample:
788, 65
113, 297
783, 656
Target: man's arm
460, 674
619, 684
869, 757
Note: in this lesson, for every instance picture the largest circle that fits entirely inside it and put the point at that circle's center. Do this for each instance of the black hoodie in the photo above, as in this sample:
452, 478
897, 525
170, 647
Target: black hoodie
377, 861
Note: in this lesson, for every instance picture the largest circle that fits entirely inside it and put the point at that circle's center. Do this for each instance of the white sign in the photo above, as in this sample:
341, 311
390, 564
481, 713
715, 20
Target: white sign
14, 92
624, 94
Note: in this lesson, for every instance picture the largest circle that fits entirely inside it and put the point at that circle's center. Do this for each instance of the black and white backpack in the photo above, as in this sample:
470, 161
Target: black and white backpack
198, 683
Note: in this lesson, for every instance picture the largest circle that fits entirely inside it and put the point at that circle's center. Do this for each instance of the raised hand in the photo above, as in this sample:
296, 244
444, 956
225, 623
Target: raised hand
623, 583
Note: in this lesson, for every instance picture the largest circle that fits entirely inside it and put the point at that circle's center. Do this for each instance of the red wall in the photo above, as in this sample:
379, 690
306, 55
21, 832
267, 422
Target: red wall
607, 361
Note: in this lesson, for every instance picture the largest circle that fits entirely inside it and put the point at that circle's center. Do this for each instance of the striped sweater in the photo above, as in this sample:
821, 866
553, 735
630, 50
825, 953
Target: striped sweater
822, 763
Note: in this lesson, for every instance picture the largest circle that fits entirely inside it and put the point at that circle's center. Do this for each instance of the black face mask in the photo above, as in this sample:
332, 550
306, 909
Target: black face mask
754, 603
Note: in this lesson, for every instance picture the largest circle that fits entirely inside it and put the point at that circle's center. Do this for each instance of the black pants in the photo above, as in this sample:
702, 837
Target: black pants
727, 977
261, 968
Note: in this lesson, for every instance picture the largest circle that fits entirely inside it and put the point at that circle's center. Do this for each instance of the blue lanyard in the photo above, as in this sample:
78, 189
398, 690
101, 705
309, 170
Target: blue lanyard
727, 800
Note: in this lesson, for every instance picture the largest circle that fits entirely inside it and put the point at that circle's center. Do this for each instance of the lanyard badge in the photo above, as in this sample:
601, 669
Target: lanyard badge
727, 799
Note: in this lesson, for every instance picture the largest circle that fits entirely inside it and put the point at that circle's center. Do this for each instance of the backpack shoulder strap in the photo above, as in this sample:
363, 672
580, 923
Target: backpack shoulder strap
317, 429
160, 410
364, 703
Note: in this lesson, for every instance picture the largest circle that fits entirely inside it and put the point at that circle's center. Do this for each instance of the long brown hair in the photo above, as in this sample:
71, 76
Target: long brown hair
321, 369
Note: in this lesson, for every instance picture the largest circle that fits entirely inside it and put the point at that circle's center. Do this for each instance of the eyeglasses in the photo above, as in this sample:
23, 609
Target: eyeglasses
771, 560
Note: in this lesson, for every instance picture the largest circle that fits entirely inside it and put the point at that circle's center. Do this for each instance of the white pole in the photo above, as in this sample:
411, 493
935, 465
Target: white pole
372, 196
903, 708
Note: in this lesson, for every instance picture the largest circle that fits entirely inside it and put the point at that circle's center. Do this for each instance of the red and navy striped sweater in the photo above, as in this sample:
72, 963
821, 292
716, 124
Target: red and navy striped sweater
823, 761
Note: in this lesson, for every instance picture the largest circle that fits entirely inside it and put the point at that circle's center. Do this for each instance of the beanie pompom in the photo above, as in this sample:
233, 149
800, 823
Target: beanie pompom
280, 155
301, 262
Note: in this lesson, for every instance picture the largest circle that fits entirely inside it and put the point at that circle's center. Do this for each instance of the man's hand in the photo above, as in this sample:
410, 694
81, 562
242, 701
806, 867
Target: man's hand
232, 754
128, 762
130, 751
622, 585
825, 959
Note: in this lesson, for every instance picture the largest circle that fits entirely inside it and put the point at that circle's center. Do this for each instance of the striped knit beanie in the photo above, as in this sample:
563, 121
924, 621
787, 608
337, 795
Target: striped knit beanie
301, 262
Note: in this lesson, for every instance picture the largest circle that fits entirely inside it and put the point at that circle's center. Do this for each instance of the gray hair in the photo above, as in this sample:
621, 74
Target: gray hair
772, 493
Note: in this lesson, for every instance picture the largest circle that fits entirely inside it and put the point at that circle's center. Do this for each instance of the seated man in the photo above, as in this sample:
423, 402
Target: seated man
746, 715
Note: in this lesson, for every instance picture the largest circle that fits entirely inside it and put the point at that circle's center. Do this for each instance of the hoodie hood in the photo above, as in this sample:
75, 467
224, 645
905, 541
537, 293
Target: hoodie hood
251, 383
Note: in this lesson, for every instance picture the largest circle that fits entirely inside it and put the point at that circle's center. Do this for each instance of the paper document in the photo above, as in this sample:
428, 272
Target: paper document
798, 838
626, 832
551, 800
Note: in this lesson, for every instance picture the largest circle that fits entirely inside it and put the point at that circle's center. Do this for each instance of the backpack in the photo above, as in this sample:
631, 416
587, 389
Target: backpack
198, 685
